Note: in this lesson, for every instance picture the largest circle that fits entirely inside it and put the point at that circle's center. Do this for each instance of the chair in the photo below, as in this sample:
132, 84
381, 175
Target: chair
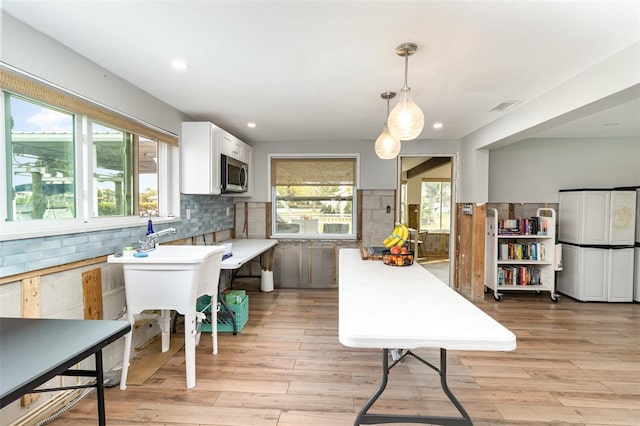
422, 239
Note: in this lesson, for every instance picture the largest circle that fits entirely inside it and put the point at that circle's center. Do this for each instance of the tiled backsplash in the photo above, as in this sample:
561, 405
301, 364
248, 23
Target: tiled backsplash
207, 214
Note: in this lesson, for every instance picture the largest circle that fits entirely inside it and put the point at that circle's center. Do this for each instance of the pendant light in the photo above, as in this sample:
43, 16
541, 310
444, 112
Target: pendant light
387, 146
406, 120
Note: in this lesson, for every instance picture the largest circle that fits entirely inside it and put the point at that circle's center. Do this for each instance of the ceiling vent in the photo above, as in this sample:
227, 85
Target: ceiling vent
505, 106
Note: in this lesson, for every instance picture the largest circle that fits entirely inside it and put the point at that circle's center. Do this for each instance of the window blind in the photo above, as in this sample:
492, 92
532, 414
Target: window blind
36, 90
313, 171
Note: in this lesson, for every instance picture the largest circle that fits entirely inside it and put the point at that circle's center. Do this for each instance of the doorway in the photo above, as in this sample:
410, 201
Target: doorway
426, 205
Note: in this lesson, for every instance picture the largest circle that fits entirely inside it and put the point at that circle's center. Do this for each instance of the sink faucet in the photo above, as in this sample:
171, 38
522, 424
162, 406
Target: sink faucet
150, 242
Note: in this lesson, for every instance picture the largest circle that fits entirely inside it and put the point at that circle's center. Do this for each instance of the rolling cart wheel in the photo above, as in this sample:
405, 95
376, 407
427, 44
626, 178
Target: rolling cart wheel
498, 297
486, 290
554, 298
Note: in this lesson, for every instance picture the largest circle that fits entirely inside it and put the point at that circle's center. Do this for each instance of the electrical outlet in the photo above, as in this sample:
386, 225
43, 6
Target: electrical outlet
188, 214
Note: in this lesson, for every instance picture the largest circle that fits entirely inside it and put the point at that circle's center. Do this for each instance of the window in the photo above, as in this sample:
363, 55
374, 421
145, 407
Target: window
112, 172
314, 196
42, 165
435, 205
403, 203
40, 161
76, 166
147, 177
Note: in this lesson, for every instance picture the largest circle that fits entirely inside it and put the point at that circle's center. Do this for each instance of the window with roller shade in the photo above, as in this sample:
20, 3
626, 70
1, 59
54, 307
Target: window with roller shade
314, 196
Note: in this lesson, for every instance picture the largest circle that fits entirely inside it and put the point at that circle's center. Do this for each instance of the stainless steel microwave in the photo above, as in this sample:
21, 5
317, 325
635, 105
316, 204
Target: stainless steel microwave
234, 175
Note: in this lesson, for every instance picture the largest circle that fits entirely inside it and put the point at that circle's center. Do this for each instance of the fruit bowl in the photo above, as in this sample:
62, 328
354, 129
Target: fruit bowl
401, 259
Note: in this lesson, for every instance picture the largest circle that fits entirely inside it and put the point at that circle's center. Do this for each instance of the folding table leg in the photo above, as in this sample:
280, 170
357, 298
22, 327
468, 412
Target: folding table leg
100, 388
364, 417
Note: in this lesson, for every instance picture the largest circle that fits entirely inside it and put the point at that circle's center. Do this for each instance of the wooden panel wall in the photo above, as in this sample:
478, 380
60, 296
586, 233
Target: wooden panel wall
92, 294
469, 252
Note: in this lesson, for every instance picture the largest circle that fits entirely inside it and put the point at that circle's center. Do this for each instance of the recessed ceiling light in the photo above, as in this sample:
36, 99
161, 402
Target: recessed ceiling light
179, 65
437, 125
251, 124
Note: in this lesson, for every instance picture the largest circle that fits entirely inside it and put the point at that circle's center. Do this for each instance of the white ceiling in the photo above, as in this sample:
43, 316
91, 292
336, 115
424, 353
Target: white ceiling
314, 70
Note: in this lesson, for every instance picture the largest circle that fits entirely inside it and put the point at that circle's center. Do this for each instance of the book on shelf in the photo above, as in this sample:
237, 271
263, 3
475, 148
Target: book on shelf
523, 226
518, 275
535, 277
521, 251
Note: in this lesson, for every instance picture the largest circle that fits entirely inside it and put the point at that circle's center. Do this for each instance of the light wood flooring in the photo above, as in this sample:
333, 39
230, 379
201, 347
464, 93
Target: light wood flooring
576, 364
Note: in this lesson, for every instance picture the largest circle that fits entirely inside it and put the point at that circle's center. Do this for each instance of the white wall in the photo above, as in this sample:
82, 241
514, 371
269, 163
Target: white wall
29, 50
414, 185
612, 82
375, 174
533, 170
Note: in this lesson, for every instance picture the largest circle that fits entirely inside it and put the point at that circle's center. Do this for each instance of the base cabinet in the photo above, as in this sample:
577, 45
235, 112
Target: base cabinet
307, 263
592, 274
636, 278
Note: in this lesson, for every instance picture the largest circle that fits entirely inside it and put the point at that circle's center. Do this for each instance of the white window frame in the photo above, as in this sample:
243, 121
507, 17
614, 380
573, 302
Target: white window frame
168, 190
441, 181
301, 236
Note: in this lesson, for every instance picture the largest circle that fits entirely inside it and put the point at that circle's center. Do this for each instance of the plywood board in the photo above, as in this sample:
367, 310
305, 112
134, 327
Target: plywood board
30, 309
31, 297
92, 294
151, 359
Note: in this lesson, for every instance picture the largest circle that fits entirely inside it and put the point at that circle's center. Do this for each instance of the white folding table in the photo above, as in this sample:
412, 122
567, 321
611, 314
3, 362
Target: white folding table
243, 250
389, 307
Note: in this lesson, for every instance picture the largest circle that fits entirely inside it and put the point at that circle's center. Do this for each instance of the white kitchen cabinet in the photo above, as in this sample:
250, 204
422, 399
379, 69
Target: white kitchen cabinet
247, 154
200, 158
231, 146
201, 146
247, 157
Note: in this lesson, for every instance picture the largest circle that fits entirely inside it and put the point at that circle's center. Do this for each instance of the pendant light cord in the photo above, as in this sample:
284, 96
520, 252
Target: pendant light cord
387, 117
406, 70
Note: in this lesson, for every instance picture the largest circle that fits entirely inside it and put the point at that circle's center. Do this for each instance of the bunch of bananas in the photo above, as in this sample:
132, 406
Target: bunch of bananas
398, 237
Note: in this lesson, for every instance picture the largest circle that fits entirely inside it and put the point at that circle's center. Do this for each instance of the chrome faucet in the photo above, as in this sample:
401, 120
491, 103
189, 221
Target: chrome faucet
150, 242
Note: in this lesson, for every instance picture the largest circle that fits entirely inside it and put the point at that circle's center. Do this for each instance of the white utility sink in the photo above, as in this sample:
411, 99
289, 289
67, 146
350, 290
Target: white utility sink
171, 278
169, 254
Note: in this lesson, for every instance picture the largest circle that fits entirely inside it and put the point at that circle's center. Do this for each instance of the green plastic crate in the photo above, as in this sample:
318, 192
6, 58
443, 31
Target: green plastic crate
241, 311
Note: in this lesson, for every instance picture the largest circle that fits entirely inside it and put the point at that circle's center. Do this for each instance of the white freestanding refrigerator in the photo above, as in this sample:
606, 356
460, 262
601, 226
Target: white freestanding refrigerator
597, 228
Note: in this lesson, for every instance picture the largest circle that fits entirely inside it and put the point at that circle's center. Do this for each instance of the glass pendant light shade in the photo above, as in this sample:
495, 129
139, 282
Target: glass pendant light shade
387, 147
406, 120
